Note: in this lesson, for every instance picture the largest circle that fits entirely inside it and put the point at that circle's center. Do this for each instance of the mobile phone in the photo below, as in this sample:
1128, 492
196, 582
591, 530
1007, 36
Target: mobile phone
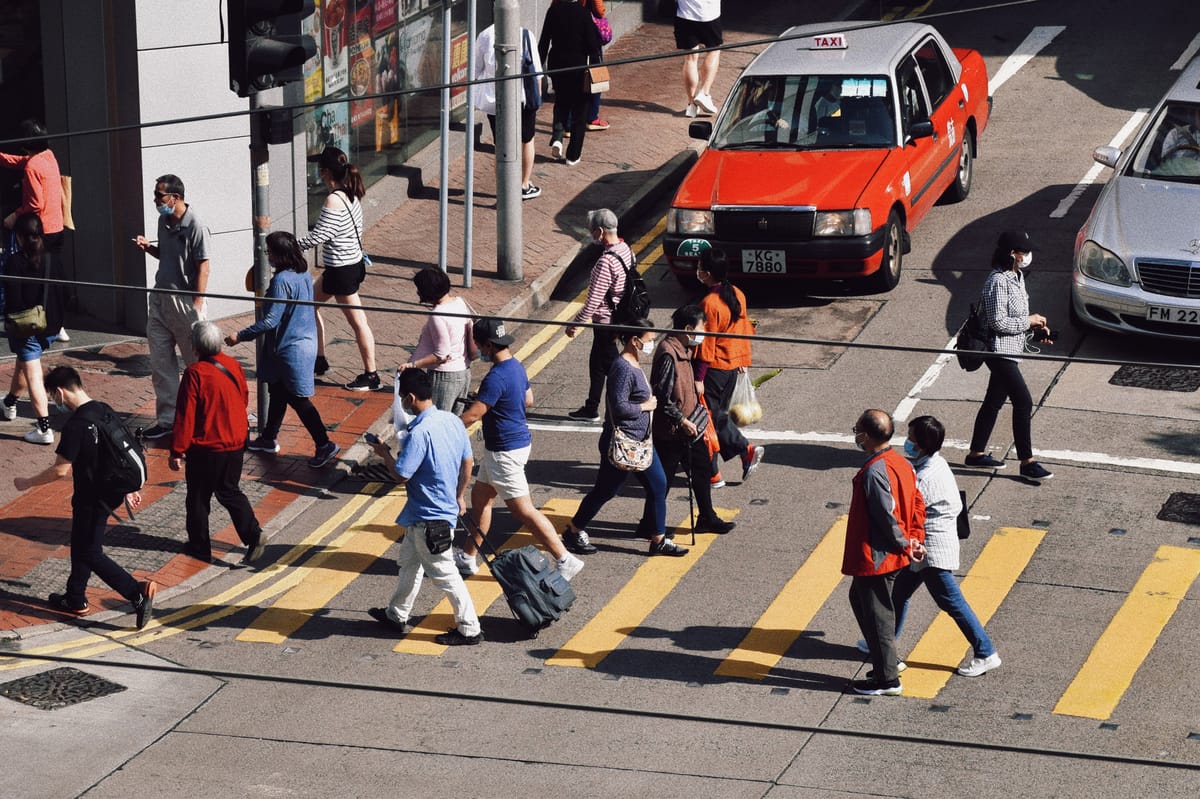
371, 438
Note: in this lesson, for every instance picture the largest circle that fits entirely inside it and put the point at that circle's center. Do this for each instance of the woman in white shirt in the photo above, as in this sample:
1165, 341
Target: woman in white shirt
445, 346
339, 228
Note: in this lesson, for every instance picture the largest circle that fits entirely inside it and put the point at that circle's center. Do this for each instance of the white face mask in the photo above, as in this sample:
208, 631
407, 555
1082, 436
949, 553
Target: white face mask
648, 347
1024, 261
695, 339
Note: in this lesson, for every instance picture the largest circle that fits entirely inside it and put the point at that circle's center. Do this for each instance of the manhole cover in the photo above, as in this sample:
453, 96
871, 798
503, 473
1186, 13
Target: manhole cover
56, 688
1158, 378
1181, 507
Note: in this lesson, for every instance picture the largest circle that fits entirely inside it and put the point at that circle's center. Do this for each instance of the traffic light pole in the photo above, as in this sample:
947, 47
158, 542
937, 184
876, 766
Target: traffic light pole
260, 175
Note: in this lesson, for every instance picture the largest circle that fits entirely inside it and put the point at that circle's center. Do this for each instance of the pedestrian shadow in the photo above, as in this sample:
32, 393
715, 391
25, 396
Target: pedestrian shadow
127, 366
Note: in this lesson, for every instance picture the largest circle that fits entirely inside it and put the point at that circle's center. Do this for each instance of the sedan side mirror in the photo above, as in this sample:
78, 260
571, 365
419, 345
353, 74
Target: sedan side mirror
920, 130
1107, 155
700, 130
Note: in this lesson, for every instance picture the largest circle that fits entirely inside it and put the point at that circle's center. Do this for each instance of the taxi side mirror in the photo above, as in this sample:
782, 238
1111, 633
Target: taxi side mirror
1107, 155
920, 130
700, 130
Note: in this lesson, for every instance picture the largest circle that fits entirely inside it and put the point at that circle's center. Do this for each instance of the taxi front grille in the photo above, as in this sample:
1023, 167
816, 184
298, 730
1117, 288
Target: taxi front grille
1173, 279
764, 225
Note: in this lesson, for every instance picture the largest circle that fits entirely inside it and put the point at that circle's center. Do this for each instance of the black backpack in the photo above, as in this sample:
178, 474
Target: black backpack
635, 300
120, 460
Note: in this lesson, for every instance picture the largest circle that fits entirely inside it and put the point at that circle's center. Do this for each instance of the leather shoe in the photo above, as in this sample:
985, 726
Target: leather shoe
714, 525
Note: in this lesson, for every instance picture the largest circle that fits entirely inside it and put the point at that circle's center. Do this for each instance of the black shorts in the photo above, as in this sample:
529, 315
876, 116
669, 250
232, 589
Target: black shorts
342, 281
690, 34
528, 124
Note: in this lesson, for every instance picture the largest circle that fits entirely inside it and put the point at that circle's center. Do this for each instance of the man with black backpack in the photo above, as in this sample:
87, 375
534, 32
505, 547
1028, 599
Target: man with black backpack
608, 302
108, 468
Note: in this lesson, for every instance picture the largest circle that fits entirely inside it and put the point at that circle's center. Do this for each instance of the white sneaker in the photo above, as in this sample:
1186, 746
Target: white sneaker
705, 101
62, 335
691, 111
556, 149
466, 563
569, 566
979, 666
39, 436
9, 412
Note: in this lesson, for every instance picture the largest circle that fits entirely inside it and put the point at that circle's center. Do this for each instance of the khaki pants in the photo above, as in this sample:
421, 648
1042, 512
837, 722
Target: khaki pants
169, 327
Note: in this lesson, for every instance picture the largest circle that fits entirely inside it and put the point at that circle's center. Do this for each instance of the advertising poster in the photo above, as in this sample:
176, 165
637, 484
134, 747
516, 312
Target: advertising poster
413, 38
458, 68
314, 81
385, 15
362, 68
328, 126
336, 60
389, 77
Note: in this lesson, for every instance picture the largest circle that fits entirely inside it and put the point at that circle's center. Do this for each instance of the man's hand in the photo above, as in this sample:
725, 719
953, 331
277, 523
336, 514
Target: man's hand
175, 464
571, 332
134, 499
916, 550
142, 243
462, 504
231, 341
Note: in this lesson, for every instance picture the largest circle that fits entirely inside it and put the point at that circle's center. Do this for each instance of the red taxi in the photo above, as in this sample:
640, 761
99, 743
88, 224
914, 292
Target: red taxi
829, 149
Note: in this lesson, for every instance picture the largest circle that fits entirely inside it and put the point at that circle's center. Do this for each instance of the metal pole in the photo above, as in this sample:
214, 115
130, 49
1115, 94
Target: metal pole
444, 170
260, 175
469, 188
508, 141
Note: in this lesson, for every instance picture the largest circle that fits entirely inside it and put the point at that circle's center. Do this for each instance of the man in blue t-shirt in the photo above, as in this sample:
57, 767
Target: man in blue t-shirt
503, 396
434, 465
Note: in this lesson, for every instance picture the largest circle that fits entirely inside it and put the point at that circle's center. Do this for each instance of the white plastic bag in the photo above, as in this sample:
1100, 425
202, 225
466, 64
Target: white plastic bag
743, 405
401, 418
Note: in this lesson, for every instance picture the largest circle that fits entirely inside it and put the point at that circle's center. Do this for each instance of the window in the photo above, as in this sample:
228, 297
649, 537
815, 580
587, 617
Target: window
936, 72
913, 105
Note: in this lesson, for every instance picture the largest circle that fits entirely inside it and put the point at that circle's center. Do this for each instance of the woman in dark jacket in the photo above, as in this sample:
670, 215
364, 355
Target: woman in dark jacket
569, 39
32, 261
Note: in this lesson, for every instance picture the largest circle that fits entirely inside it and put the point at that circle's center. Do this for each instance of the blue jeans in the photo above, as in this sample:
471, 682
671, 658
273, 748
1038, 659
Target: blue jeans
609, 481
945, 592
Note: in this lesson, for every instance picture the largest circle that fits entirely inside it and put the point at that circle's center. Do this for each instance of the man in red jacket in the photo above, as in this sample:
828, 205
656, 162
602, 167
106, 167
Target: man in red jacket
885, 530
210, 434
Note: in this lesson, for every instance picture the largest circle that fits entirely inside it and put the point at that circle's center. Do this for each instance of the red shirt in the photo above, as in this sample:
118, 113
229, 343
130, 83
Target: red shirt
210, 412
41, 189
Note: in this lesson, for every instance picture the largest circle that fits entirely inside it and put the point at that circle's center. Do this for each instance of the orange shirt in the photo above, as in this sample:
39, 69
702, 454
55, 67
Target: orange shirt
717, 351
41, 189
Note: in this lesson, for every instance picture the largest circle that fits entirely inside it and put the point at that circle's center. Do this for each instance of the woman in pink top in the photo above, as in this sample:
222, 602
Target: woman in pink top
445, 345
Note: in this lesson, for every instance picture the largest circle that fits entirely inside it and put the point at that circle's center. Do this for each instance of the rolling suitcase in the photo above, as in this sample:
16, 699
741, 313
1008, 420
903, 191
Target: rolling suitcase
537, 594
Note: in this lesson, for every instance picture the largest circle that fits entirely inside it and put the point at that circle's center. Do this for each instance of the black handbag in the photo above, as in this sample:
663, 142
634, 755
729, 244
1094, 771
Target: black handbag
699, 417
972, 342
438, 535
964, 518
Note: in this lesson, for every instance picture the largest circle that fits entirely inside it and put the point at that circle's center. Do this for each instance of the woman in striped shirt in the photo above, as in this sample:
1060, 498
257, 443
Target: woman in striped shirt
339, 228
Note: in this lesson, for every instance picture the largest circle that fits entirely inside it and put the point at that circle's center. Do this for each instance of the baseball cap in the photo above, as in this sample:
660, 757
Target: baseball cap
329, 158
1015, 240
492, 331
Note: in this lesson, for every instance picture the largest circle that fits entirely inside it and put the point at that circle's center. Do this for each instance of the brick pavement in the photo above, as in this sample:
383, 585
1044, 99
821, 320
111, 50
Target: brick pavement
621, 168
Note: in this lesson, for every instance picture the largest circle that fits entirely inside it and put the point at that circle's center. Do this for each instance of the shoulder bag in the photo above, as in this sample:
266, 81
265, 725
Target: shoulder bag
596, 78
31, 321
605, 29
972, 342
628, 453
366, 259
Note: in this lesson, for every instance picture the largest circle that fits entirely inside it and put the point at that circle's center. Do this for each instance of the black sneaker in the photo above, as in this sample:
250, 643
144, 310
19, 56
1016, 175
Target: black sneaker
155, 432
714, 525
530, 191
255, 552
143, 606
455, 638
585, 414
984, 461
380, 615
667, 547
324, 454
1035, 471
367, 381
321, 366
578, 543
61, 603
261, 444
875, 688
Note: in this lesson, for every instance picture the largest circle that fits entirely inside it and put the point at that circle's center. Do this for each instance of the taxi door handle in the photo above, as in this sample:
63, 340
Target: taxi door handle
962, 103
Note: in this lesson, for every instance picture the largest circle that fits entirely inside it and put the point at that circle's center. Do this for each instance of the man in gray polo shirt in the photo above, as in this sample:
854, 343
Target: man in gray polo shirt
182, 252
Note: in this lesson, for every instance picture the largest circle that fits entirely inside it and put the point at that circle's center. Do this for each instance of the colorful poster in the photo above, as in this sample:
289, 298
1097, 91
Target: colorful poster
328, 126
314, 81
389, 77
335, 62
458, 69
413, 39
362, 67
385, 15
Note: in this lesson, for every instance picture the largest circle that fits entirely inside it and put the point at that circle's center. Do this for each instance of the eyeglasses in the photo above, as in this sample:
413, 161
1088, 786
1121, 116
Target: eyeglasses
162, 195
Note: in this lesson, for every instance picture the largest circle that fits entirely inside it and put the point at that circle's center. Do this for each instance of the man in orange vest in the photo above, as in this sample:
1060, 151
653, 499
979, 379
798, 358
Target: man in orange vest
884, 532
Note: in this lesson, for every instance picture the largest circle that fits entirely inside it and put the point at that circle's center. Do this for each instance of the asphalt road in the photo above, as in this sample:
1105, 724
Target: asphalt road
721, 674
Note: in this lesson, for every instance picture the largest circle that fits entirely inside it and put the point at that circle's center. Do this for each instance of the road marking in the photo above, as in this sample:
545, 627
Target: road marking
1094, 172
791, 611
900, 415
1187, 54
1125, 643
327, 573
1034, 43
483, 588
933, 660
626, 611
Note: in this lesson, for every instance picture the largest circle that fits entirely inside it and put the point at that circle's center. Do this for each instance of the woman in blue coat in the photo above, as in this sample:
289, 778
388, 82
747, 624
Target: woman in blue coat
289, 350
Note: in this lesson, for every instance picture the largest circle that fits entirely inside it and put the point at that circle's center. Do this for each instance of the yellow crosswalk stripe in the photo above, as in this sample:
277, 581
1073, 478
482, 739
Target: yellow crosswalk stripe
937, 654
648, 587
483, 588
327, 573
790, 613
1126, 642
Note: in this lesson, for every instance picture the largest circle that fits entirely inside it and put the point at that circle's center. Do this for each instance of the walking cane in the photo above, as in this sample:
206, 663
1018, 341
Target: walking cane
687, 473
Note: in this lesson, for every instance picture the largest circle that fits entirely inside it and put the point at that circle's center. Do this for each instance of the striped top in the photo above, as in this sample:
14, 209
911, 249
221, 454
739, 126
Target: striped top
339, 228
942, 506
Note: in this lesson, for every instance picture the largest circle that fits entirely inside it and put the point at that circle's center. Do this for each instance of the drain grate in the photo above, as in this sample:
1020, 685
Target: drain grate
376, 472
1158, 378
58, 688
1181, 507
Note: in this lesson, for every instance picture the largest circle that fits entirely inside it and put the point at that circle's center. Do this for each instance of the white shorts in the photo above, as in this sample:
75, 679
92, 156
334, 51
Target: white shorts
505, 472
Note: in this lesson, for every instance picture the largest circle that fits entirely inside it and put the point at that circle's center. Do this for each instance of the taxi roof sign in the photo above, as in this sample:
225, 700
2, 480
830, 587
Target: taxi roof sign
828, 41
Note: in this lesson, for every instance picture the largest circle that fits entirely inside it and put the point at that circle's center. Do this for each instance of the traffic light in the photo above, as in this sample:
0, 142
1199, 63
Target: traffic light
266, 47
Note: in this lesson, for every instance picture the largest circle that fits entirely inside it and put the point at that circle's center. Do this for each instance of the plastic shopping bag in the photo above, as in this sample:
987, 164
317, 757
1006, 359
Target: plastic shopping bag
401, 418
743, 405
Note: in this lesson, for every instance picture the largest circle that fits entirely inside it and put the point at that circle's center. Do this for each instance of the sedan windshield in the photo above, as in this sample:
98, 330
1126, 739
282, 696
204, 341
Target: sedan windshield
808, 112
1170, 149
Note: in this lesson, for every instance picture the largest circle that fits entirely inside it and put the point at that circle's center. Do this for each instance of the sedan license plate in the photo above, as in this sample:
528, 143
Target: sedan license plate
764, 262
1180, 316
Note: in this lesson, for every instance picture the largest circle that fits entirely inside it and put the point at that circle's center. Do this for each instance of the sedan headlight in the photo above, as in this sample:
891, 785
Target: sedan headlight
690, 222
843, 223
1100, 264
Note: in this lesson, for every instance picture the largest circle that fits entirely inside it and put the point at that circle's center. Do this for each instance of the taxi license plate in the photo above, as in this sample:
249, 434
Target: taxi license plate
764, 262
1180, 316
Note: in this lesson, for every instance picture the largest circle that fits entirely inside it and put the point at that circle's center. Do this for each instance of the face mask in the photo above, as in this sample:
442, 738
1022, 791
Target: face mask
695, 339
166, 210
1024, 261
59, 406
910, 450
648, 347
483, 356
860, 441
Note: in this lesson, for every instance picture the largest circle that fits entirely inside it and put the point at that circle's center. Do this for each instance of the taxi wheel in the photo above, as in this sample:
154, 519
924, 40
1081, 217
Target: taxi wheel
961, 186
893, 256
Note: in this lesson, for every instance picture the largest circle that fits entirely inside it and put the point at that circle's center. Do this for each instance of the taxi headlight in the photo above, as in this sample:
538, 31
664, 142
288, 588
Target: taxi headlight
690, 222
1100, 264
843, 223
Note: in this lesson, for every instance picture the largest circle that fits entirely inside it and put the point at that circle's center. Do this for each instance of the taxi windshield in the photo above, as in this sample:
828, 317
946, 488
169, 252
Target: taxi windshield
809, 112
1171, 148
